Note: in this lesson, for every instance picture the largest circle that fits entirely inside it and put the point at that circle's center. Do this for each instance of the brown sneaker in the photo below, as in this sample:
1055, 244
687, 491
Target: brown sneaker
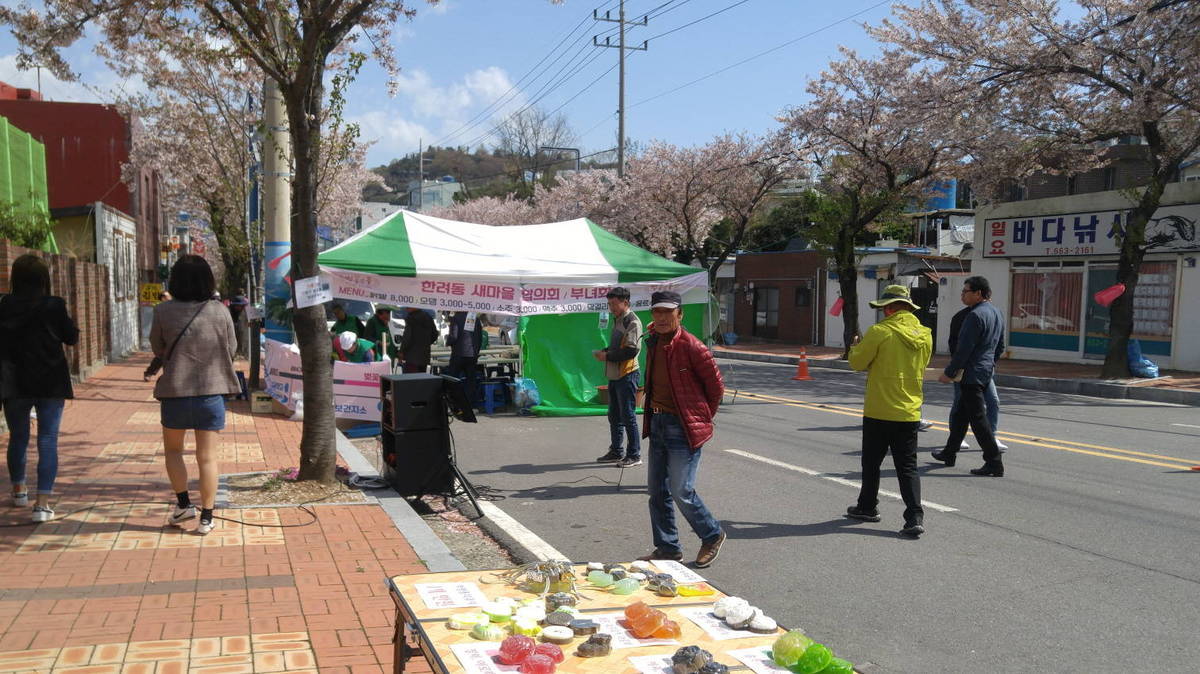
709, 551
659, 554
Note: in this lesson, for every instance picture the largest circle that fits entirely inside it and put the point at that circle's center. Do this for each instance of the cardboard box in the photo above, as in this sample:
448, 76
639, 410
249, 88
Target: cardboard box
260, 402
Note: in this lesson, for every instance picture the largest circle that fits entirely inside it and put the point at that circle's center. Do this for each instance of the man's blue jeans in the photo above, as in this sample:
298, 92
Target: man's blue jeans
989, 396
16, 412
671, 475
622, 415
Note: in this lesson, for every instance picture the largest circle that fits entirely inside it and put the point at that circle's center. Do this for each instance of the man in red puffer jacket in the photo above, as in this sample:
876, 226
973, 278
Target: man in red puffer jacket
683, 391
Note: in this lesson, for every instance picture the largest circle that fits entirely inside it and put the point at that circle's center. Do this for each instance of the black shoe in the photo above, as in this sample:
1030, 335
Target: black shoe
613, 456
990, 470
945, 458
630, 462
676, 556
857, 513
912, 530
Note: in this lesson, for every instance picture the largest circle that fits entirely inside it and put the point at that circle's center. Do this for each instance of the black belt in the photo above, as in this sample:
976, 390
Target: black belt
660, 410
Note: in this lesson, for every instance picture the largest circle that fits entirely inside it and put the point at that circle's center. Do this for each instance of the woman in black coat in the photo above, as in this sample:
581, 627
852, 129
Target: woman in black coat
34, 326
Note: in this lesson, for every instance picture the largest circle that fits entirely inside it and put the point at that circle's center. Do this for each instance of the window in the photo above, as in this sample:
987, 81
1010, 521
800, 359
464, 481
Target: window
803, 296
1044, 311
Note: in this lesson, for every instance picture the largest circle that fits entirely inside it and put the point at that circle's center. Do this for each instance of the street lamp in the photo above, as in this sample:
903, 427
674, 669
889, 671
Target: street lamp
564, 149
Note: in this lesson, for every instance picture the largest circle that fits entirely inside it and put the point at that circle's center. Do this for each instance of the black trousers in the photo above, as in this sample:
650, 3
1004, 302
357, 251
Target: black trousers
972, 411
900, 437
464, 369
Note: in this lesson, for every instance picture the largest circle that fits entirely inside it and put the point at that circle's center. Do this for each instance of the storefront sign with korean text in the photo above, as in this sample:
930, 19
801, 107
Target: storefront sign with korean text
1173, 228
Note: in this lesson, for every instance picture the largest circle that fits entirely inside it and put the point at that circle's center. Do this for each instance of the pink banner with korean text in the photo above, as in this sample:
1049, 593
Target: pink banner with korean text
502, 296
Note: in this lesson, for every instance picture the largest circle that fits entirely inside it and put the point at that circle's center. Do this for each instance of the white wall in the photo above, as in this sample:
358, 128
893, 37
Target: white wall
1185, 347
116, 248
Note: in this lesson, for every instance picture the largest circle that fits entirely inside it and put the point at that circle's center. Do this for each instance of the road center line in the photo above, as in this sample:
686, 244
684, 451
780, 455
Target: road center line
1008, 436
832, 478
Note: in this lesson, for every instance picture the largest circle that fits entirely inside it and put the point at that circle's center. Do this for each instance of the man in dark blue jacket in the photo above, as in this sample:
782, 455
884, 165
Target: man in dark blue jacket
980, 343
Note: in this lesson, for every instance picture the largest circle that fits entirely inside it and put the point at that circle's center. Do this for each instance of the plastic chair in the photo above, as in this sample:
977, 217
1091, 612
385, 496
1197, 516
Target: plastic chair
495, 394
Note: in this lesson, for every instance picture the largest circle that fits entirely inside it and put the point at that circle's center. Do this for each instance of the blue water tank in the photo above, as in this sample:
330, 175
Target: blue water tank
946, 198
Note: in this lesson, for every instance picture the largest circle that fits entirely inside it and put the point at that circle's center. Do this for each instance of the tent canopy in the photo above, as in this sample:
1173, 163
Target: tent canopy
575, 252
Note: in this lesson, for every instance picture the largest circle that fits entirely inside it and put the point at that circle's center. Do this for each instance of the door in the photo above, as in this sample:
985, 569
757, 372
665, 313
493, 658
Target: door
766, 313
1153, 309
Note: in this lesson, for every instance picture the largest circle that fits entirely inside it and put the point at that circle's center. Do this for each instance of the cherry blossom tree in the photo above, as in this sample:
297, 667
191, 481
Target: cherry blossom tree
879, 140
1124, 68
293, 44
196, 127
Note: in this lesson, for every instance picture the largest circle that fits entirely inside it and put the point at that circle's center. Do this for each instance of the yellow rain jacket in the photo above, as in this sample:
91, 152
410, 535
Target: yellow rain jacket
894, 352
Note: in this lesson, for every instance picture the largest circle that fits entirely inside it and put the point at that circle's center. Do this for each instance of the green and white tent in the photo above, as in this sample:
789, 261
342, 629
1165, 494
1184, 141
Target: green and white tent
554, 276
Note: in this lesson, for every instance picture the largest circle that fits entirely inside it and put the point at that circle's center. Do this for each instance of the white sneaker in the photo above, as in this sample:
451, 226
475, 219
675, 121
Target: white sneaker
180, 515
924, 425
964, 445
1003, 447
206, 526
21, 500
43, 513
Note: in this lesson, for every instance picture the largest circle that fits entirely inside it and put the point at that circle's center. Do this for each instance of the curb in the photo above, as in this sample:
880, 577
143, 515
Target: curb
429, 548
1082, 387
524, 545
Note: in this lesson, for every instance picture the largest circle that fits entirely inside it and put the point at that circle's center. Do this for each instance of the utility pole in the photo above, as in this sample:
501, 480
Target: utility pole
421, 172
621, 48
277, 209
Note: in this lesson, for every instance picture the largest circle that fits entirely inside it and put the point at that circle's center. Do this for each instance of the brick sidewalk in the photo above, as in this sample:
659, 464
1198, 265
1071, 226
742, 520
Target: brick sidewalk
111, 589
1027, 368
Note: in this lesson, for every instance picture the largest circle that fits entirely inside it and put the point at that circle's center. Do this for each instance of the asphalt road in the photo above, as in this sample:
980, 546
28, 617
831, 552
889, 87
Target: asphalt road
1084, 557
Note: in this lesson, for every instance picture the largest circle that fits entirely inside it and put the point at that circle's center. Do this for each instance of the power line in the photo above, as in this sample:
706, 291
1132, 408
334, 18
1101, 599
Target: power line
504, 98
762, 53
703, 18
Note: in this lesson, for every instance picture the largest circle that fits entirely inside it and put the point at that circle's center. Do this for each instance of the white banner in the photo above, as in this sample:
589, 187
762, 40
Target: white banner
1089, 233
312, 291
499, 297
355, 385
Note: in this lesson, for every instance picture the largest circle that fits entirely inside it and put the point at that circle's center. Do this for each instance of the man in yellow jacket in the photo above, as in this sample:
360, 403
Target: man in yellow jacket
894, 353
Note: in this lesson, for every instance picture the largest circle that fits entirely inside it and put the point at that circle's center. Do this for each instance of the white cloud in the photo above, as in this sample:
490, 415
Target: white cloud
393, 135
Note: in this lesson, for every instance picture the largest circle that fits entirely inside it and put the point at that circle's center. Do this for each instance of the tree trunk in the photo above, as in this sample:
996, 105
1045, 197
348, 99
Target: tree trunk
847, 272
318, 453
1120, 313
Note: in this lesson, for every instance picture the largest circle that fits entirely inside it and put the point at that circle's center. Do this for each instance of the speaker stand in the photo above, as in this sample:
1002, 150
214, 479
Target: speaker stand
463, 487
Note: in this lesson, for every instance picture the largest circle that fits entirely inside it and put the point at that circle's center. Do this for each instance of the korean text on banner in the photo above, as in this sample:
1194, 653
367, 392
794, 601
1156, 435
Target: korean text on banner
355, 385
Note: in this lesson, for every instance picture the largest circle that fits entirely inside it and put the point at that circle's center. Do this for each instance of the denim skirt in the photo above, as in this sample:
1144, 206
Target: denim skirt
201, 413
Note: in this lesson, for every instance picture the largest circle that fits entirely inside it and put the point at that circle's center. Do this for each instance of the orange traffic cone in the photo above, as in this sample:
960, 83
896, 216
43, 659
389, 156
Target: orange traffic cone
802, 368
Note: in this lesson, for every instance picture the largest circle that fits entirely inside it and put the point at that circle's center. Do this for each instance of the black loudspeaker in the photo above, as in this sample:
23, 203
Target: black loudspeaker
412, 402
418, 462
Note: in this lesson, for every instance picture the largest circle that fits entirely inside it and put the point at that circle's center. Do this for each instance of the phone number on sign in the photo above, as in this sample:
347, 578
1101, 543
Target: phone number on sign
1071, 250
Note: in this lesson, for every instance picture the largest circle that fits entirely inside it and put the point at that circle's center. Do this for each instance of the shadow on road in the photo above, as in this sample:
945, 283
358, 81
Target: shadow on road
768, 530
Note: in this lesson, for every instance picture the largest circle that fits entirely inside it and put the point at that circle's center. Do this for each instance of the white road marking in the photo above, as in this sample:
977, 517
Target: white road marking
525, 537
842, 481
1186, 425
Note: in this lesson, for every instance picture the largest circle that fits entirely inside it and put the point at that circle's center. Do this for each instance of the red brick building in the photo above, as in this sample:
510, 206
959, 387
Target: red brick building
86, 146
779, 297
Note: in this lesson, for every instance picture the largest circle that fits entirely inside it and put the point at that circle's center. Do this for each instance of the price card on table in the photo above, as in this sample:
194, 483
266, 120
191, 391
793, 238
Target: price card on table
621, 637
712, 625
450, 595
757, 659
679, 572
652, 664
480, 658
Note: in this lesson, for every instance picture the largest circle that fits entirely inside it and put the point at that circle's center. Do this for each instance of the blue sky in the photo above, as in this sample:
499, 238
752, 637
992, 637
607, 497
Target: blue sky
461, 56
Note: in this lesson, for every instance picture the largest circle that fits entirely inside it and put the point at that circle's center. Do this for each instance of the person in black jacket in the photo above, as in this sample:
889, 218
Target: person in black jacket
34, 326
419, 334
990, 396
465, 339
